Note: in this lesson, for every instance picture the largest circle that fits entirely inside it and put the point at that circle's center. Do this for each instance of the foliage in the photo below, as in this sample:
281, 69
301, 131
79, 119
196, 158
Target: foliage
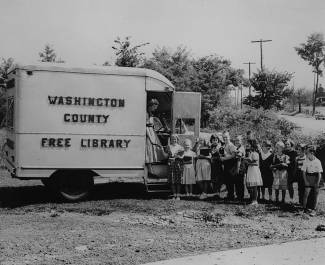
49, 55
5, 66
174, 65
265, 123
313, 51
210, 75
127, 55
299, 96
270, 89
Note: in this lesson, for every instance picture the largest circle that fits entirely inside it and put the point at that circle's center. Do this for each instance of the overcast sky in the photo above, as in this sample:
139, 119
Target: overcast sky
82, 31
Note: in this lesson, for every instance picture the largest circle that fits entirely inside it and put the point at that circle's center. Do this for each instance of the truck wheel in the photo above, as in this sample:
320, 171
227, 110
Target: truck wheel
74, 186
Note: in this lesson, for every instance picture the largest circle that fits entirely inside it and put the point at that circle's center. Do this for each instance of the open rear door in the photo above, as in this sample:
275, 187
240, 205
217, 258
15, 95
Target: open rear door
186, 115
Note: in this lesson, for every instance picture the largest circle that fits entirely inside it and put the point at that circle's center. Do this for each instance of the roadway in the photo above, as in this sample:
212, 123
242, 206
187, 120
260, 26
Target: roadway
308, 125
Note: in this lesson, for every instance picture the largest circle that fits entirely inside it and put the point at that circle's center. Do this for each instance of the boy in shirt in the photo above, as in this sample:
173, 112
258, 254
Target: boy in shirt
312, 172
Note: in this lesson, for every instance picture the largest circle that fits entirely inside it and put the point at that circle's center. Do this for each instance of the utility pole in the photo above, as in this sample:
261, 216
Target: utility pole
241, 96
249, 77
261, 47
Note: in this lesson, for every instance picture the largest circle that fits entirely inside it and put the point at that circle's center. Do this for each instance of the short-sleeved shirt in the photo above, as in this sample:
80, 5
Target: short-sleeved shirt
230, 149
312, 166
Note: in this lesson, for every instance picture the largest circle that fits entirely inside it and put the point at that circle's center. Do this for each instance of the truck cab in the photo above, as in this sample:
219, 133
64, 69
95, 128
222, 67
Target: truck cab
72, 127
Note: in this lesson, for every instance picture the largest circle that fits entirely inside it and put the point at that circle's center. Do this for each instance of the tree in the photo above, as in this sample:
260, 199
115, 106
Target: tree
313, 51
302, 96
210, 75
49, 55
127, 55
174, 65
5, 66
270, 88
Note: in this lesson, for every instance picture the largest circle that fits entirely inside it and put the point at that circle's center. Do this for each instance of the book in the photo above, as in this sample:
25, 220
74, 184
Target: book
205, 151
187, 159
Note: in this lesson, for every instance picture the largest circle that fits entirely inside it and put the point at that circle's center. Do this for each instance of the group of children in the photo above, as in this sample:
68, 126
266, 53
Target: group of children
237, 165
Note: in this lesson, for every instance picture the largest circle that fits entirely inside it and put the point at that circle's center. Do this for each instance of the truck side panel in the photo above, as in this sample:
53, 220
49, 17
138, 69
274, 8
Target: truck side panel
74, 120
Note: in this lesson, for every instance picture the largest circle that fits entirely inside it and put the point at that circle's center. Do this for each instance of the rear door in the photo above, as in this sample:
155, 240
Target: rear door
186, 115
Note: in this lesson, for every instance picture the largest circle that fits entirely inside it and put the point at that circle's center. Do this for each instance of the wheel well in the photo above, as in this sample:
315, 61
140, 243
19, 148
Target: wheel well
72, 172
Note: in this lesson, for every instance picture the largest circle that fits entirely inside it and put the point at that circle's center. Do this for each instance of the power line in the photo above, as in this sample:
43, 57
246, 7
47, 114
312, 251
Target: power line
261, 47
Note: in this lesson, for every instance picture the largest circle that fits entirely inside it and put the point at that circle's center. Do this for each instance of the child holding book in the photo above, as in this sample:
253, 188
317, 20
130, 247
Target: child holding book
175, 152
203, 167
188, 176
253, 176
279, 167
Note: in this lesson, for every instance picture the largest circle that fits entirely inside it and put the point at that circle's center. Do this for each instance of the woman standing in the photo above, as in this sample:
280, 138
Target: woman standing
175, 151
154, 149
216, 164
253, 178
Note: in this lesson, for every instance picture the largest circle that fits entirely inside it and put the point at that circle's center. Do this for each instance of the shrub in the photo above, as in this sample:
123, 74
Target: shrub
265, 123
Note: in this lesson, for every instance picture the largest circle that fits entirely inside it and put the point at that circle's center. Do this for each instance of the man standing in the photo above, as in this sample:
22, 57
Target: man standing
230, 165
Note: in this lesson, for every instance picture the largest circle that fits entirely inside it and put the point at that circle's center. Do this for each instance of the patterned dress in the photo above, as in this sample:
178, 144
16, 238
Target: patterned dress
280, 173
175, 165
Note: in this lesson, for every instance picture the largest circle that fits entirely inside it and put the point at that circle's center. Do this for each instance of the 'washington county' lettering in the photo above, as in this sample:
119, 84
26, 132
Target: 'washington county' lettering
86, 101
85, 118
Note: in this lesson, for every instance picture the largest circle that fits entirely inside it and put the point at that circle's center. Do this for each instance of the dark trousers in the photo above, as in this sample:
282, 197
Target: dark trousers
235, 183
301, 186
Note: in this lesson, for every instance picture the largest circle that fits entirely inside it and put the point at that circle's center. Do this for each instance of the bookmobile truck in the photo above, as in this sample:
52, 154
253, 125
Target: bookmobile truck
74, 127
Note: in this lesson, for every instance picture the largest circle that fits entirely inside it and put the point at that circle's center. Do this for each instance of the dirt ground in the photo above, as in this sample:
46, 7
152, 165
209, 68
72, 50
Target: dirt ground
120, 224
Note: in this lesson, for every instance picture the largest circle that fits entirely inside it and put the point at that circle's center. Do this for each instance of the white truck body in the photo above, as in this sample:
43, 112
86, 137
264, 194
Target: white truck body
83, 118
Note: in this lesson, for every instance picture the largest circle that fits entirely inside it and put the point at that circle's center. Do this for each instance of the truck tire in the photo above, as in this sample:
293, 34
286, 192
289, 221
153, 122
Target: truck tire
74, 185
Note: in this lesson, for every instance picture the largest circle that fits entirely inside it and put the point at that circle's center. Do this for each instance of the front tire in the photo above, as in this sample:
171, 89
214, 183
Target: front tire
74, 185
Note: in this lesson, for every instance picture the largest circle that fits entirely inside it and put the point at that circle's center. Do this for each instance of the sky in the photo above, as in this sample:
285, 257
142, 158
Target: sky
82, 31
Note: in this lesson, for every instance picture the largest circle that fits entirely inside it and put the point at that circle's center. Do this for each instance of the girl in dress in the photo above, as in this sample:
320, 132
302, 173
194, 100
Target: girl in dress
280, 174
203, 167
253, 175
175, 152
216, 164
188, 176
266, 158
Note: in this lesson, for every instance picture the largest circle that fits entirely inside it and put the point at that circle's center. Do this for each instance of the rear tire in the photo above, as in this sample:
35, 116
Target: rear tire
74, 185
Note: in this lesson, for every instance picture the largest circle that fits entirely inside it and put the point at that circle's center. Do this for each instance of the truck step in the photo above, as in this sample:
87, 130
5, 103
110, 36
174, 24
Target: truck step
157, 186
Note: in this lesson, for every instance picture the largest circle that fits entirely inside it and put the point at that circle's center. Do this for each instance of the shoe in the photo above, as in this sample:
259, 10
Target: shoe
253, 203
187, 194
177, 199
312, 213
203, 196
